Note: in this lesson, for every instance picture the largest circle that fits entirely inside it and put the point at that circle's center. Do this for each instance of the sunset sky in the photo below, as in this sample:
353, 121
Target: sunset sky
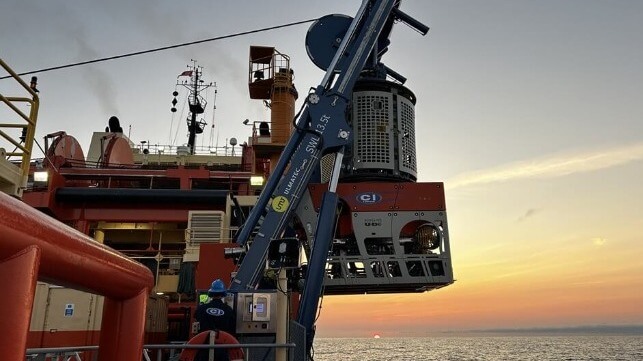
531, 112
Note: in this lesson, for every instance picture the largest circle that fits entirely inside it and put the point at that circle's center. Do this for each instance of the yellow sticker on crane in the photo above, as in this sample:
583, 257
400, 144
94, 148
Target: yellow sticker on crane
280, 204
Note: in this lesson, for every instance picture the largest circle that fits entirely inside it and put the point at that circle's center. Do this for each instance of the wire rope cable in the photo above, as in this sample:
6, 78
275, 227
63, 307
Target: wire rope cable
142, 52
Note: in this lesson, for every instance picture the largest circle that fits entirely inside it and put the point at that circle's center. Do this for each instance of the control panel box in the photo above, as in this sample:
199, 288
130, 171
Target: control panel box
256, 312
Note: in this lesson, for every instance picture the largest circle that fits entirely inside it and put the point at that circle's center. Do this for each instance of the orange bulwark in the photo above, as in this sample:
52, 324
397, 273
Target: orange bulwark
35, 246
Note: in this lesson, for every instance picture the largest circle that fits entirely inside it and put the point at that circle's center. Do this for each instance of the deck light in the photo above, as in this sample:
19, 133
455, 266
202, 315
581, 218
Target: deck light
41, 176
256, 180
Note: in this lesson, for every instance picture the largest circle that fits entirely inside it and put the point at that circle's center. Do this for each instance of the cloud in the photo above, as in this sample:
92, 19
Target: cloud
599, 241
551, 167
530, 212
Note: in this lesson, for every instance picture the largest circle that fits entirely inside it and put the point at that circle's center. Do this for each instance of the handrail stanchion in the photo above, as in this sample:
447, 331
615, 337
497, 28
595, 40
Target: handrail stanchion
18, 277
121, 320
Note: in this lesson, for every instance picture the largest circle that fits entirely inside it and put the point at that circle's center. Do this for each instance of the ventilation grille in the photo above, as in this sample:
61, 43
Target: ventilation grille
407, 142
205, 227
372, 113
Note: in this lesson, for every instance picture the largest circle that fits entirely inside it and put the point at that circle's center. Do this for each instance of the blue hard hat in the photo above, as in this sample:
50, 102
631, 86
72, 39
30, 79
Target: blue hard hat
217, 288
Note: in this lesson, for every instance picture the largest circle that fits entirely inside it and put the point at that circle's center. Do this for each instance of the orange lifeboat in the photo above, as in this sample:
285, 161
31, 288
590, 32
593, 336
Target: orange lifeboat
118, 152
64, 151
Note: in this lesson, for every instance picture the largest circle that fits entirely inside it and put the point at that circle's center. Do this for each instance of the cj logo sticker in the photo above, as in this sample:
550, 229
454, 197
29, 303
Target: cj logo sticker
215, 311
368, 198
280, 204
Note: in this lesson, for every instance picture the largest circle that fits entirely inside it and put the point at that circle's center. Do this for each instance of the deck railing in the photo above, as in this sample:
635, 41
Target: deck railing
157, 352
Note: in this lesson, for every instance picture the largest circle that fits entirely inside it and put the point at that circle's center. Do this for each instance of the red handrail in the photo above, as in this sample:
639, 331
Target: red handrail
36, 246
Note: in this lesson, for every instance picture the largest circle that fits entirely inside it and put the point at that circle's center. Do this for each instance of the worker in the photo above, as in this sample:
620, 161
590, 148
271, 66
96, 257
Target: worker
216, 314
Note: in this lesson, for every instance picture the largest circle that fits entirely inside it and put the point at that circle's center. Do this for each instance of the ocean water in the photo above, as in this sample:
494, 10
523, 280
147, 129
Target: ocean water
496, 348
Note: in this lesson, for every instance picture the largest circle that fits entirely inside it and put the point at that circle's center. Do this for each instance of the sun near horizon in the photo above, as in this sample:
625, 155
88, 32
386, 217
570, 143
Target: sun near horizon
540, 249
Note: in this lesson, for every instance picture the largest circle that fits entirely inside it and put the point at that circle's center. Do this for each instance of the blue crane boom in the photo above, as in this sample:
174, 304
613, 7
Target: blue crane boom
320, 129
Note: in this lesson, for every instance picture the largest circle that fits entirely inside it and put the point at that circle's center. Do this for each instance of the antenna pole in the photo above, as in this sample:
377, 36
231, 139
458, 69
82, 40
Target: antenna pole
193, 113
196, 102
